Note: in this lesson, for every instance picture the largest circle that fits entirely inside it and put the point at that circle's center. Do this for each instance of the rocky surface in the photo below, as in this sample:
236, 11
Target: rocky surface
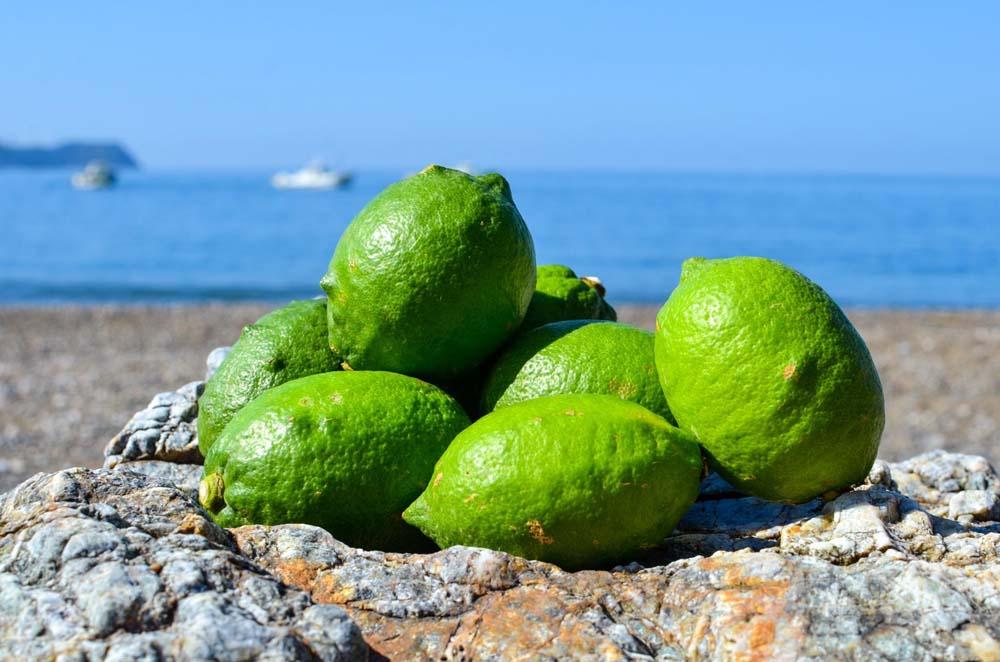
214, 360
873, 574
162, 440
98, 564
165, 430
122, 563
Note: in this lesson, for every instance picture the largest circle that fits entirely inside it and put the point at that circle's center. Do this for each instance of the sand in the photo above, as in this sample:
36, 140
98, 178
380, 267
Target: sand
70, 377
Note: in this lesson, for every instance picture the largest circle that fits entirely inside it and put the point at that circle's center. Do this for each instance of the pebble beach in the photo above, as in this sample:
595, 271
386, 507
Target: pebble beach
70, 377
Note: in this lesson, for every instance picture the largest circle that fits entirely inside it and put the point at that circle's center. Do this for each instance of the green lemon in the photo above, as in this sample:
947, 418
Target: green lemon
766, 371
576, 480
431, 277
561, 295
285, 344
577, 356
346, 451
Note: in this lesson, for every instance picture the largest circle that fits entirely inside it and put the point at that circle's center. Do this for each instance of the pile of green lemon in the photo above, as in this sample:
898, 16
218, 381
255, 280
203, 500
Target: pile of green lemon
450, 392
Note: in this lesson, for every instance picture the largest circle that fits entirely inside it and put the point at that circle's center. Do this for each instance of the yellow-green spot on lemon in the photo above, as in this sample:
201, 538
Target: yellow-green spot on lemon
431, 277
771, 377
210, 490
561, 295
577, 356
347, 451
548, 484
287, 343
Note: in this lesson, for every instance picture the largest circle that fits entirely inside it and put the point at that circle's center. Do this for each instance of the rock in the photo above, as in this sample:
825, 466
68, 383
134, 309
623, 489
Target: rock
98, 564
214, 360
485, 604
184, 477
124, 564
165, 430
868, 575
973, 505
933, 478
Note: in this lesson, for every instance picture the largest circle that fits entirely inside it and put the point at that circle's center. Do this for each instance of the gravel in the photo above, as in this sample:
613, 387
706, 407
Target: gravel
70, 377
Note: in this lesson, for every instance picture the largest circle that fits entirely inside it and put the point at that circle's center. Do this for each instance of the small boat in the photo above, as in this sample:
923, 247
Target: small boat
314, 176
96, 176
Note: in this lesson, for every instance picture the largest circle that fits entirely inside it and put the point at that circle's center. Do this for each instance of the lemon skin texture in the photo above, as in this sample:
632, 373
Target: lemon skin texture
766, 371
561, 295
287, 343
431, 276
576, 480
577, 356
346, 451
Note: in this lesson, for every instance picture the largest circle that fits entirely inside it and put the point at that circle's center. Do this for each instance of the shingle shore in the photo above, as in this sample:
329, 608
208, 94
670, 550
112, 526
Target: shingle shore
71, 376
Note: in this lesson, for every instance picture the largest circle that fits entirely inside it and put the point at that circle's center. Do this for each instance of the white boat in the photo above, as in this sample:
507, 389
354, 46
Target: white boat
314, 176
97, 175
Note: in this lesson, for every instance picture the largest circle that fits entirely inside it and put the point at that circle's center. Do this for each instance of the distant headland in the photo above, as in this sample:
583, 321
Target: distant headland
66, 155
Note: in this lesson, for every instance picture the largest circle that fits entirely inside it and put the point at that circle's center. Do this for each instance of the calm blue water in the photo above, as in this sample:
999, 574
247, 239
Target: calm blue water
869, 240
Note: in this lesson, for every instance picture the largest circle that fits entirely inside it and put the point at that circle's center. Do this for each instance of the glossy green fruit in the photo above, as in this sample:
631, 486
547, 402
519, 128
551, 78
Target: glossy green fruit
347, 451
431, 276
561, 295
769, 375
576, 480
577, 356
285, 344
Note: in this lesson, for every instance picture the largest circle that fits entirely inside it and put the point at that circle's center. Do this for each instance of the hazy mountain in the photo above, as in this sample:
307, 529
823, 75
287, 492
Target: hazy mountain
66, 155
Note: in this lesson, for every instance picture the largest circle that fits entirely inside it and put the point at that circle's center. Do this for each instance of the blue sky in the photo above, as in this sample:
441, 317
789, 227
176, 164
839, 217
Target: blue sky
777, 86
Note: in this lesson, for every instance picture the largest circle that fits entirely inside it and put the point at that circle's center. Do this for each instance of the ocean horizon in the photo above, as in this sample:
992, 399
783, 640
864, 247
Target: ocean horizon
187, 236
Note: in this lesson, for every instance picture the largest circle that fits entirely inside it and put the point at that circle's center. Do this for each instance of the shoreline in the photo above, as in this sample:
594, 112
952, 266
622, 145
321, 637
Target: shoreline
72, 376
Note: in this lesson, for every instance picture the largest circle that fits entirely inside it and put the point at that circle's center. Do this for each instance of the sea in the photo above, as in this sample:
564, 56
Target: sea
163, 237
